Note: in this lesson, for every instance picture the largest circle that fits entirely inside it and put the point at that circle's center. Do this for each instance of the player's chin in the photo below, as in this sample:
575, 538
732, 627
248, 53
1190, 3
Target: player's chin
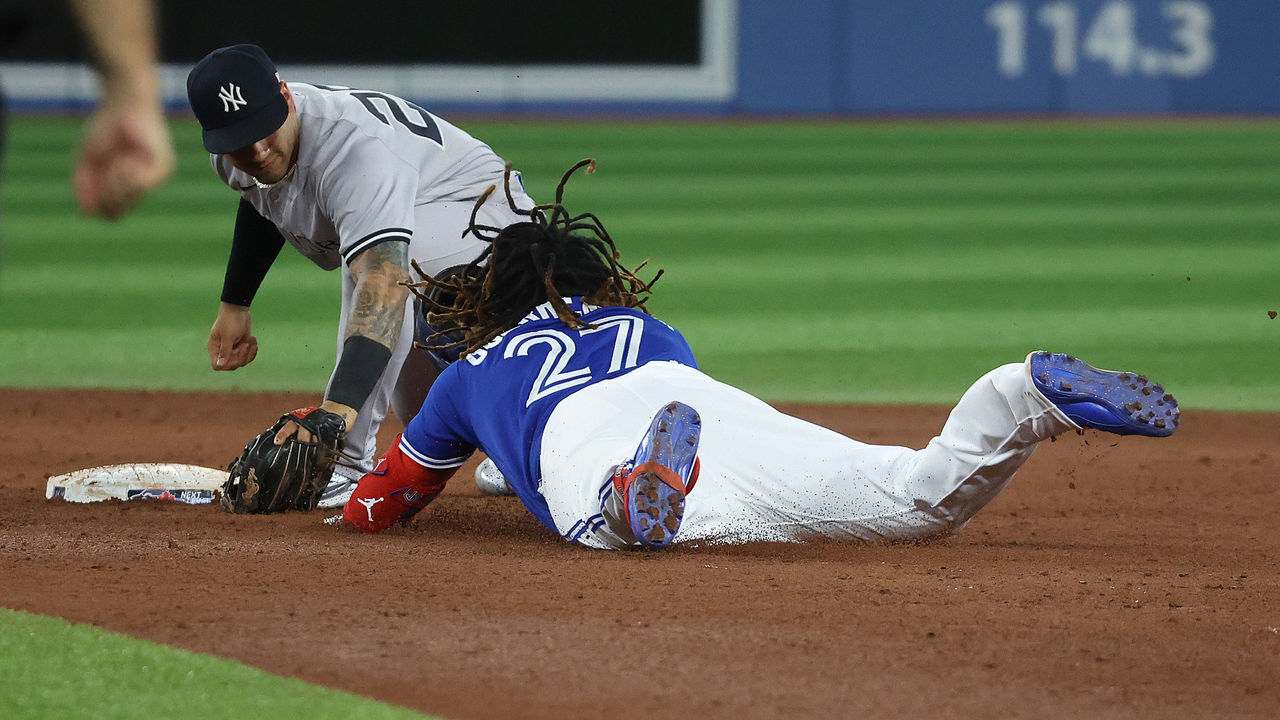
268, 177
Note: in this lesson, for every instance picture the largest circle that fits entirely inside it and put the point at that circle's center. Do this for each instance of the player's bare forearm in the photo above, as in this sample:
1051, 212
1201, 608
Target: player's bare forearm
127, 150
121, 37
377, 308
373, 326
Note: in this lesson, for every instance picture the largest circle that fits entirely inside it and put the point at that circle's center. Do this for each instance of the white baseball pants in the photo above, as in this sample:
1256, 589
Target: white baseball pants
767, 476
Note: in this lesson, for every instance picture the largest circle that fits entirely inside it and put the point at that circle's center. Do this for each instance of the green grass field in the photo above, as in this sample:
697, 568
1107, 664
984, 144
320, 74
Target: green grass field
51, 669
832, 262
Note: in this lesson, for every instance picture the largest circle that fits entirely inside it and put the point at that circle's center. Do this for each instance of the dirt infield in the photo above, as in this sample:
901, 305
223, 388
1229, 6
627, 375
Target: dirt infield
1114, 578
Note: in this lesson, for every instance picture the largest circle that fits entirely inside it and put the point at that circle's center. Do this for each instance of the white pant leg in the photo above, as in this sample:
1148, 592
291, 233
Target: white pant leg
767, 476
437, 244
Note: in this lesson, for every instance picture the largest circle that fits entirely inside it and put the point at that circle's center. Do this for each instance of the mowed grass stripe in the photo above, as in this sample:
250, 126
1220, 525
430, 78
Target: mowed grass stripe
1009, 216
678, 146
1198, 375
937, 330
825, 188
1012, 262
292, 356
725, 225
706, 268
128, 278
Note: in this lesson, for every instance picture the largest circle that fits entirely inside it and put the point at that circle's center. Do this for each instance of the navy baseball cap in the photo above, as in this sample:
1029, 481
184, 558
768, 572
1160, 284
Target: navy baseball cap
235, 93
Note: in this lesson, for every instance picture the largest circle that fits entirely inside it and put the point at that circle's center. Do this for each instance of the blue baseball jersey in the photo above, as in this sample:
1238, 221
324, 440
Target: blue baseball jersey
499, 397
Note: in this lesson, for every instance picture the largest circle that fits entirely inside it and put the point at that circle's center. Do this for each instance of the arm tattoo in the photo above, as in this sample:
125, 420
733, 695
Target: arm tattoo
377, 308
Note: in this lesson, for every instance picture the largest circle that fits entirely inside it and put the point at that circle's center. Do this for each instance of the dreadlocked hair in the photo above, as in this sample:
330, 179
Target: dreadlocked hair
550, 256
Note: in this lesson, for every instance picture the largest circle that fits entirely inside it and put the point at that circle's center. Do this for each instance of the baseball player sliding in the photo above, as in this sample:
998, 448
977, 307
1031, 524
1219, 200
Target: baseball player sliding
355, 180
604, 427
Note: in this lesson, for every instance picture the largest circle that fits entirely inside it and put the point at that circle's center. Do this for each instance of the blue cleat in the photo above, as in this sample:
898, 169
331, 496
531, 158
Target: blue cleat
1115, 402
653, 486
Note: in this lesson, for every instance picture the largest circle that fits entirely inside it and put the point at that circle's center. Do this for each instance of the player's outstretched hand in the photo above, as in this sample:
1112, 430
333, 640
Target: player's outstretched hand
127, 151
231, 345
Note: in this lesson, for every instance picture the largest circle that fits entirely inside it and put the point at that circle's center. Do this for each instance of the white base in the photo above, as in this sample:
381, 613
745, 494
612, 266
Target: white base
138, 481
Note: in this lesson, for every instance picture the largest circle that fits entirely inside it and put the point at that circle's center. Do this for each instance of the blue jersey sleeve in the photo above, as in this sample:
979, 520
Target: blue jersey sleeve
439, 435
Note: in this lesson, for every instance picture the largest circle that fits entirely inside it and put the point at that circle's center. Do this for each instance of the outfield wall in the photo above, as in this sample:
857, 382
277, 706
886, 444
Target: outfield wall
1010, 56
816, 57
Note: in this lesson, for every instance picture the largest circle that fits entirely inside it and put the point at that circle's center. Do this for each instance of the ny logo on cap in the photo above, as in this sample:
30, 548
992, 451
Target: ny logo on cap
231, 97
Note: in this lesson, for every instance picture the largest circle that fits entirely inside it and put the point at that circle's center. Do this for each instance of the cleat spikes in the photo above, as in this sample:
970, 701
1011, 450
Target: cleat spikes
1114, 402
653, 486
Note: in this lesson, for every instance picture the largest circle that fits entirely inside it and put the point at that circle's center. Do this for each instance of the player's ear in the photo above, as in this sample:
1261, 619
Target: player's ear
288, 96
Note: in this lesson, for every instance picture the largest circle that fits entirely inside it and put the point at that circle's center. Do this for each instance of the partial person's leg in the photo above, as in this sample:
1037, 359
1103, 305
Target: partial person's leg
417, 374
438, 238
767, 476
360, 445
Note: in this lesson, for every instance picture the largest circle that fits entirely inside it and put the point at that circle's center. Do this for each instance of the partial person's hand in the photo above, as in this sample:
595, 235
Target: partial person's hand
127, 151
230, 344
348, 415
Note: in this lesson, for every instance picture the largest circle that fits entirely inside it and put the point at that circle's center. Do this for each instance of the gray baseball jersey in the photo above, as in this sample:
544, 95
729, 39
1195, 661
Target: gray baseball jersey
365, 161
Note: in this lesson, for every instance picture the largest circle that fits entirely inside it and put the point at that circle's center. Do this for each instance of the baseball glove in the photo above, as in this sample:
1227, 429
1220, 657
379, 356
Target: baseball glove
269, 478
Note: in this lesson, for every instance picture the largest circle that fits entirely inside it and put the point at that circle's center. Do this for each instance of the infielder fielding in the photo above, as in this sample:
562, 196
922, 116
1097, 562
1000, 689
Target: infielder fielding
600, 420
355, 180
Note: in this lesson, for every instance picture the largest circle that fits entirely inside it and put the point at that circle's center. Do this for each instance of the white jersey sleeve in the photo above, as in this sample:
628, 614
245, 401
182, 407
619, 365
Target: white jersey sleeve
370, 201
